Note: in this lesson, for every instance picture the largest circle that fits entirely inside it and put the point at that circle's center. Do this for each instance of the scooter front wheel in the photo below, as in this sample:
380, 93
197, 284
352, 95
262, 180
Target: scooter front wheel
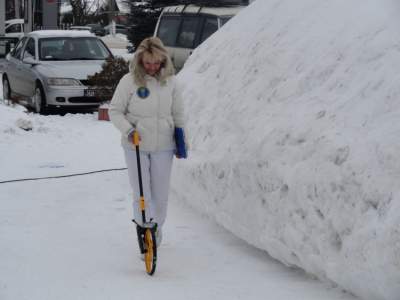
150, 250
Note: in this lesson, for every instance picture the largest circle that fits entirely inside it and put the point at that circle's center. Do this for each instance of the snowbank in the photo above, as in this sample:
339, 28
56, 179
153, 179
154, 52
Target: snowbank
295, 140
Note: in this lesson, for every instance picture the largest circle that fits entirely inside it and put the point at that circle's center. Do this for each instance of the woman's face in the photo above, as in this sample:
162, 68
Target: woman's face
151, 64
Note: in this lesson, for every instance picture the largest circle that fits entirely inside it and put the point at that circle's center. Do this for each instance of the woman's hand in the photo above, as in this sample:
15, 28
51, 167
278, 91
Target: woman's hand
181, 143
131, 136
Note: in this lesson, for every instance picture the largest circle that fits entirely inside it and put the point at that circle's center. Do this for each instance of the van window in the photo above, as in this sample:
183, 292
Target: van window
225, 19
14, 28
168, 30
210, 26
188, 31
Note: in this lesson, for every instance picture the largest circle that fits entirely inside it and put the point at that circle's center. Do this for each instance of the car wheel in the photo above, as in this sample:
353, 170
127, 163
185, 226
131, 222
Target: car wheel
6, 89
39, 100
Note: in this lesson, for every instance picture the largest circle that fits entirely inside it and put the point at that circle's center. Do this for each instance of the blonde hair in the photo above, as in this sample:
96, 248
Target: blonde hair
154, 47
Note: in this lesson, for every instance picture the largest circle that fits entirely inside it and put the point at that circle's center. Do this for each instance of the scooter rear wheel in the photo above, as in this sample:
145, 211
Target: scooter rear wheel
150, 251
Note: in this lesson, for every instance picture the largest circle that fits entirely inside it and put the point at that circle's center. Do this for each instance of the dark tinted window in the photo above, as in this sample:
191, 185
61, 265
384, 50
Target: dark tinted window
210, 26
6, 44
30, 48
225, 19
187, 34
168, 30
15, 28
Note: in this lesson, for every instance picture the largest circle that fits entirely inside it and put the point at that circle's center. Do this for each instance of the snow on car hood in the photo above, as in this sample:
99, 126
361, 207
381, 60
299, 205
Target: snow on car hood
78, 69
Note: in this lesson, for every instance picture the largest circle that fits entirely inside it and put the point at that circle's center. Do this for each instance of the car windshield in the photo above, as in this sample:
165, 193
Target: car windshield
72, 48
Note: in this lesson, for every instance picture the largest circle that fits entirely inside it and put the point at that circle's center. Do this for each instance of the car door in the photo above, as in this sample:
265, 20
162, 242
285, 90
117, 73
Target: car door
14, 67
27, 73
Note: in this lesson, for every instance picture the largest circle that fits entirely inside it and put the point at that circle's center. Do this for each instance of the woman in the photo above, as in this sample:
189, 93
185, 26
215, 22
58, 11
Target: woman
147, 100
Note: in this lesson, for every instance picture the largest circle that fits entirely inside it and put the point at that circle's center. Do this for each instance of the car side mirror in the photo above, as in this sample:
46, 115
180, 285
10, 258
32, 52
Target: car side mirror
29, 60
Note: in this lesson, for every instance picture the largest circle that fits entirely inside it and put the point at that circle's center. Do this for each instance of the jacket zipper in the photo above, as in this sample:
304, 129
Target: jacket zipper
158, 119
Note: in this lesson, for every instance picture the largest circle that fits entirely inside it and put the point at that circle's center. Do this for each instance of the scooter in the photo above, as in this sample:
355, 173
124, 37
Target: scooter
146, 231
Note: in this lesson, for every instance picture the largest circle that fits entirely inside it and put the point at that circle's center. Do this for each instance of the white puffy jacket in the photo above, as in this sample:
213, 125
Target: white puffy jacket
154, 117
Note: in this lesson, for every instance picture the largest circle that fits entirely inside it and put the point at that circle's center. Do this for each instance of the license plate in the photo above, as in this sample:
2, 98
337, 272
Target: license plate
89, 93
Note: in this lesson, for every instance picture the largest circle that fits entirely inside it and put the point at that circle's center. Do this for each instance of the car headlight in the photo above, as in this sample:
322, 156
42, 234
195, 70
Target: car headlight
63, 81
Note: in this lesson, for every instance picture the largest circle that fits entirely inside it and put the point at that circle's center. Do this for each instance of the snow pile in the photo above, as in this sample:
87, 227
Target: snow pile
296, 137
11, 117
24, 124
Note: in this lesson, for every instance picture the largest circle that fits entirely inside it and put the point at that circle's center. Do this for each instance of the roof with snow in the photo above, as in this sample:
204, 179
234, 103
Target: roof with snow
61, 33
121, 6
220, 11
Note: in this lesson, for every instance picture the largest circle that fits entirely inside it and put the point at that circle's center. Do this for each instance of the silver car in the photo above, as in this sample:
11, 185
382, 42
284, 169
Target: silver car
50, 68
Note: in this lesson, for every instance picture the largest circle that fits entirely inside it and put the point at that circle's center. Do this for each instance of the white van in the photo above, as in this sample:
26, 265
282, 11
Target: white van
14, 28
182, 28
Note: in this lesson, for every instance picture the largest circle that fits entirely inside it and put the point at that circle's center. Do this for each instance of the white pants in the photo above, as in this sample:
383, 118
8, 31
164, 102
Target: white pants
156, 172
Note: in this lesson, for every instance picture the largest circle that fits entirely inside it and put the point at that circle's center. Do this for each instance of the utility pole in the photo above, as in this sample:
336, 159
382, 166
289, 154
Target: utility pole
28, 16
111, 11
16, 7
50, 14
111, 14
2, 17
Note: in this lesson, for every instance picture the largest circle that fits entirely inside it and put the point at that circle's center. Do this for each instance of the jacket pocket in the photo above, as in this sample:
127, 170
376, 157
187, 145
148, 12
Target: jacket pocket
166, 126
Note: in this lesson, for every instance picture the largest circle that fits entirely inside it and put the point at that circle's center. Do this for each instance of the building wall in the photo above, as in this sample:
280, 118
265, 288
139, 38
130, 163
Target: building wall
50, 14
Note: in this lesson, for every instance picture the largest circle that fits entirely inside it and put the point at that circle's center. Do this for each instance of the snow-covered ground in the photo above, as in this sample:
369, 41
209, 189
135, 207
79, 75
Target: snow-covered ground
71, 238
118, 44
292, 115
